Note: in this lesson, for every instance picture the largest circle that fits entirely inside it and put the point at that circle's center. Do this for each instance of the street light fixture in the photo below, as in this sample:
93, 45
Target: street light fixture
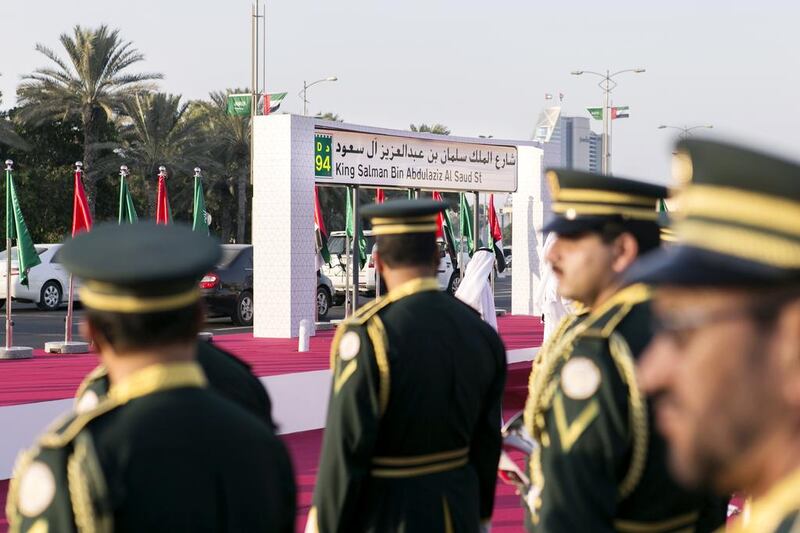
608, 84
686, 131
305, 91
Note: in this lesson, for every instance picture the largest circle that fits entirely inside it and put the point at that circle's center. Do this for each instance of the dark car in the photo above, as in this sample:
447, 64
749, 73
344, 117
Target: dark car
228, 289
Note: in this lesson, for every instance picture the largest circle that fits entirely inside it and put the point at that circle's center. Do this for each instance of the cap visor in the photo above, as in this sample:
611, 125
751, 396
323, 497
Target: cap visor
563, 226
693, 267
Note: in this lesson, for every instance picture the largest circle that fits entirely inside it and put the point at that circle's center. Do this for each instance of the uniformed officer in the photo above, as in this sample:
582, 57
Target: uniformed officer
412, 438
598, 467
161, 451
227, 374
725, 362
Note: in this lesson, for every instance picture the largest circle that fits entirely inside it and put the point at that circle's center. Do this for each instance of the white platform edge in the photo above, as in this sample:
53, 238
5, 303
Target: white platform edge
299, 403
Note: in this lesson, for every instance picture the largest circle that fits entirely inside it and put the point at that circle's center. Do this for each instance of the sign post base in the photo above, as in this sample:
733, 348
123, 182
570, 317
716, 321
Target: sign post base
16, 352
66, 347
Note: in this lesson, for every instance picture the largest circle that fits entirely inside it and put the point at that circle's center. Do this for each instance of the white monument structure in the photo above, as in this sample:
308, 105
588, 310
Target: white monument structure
291, 153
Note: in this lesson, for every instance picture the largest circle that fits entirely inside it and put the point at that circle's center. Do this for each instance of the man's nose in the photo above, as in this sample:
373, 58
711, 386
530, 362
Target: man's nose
657, 366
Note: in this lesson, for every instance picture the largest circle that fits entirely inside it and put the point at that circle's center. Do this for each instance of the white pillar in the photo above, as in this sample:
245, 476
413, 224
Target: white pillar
531, 202
284, 271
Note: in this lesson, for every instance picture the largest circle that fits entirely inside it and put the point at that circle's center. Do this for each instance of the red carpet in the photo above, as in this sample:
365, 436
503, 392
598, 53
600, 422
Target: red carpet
52, 377
55, 377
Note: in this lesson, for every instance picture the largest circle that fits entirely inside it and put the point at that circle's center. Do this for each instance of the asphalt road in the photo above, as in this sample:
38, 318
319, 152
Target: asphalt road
34, 328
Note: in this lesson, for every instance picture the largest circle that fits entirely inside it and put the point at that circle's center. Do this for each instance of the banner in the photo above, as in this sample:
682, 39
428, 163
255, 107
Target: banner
352, 158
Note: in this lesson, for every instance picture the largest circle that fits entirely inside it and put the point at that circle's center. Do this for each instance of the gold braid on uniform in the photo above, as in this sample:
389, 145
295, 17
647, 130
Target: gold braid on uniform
24, 460
542, 393
621, 353
563, 325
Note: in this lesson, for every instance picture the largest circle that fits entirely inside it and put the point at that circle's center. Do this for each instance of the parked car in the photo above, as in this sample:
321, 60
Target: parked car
448, 276
228, 289
48, 282
325, 292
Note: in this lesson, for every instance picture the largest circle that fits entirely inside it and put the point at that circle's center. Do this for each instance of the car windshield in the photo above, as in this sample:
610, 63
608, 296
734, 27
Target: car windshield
228, 256
336, 244
39, 250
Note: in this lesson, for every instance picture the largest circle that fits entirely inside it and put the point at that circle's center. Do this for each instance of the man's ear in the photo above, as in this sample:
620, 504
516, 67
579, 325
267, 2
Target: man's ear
91, 334
379, 264
626, 251
786, 342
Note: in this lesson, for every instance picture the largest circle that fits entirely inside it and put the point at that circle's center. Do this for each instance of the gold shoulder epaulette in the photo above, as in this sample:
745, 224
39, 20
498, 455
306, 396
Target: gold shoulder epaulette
99, 371
61, 435
604, 320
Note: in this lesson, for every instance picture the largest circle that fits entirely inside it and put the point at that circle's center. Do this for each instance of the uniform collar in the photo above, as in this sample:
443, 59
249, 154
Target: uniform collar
156, 378
771, 509
412, 287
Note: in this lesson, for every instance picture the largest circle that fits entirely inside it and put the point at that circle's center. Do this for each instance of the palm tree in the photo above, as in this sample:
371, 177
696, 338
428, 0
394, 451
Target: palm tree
230, 136
437, 128
333, 117
91, 84
158, 129
8, 136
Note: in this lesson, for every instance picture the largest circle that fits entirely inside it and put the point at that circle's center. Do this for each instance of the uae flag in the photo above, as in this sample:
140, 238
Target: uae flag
444, 229
619, 112
163, 211
497, 236
27, 258
320, 232
270, 102
81, 217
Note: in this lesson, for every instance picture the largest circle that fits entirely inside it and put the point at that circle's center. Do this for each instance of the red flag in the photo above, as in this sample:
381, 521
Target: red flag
380, 196
497, 236
81, 217
439, 217
494, 225
162, 201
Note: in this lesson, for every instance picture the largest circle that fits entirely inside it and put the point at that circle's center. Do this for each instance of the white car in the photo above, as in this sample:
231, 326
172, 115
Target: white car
48, 282
447, 275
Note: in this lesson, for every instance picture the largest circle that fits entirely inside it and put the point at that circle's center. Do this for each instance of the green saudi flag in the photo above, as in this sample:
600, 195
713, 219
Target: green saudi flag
349, 225
465, 222
239, 104
27, 258
199, 222
127, 210
596, 112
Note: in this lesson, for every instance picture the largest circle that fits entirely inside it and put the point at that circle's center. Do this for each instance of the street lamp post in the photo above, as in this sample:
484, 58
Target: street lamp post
608, 84
305, 90
686, 131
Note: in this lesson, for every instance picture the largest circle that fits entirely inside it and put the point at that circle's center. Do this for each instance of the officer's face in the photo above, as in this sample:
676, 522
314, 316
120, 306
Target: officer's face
583, 265
712, 376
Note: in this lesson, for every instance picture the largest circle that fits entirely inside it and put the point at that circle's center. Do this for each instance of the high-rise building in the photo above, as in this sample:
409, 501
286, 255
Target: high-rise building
570, 143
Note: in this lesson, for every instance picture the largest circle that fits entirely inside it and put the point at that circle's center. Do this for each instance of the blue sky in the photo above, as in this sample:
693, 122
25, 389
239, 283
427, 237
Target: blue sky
478, 67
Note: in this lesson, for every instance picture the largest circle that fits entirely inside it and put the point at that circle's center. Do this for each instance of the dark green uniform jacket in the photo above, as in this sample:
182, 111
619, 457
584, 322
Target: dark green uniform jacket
413, 432
161, 452
599, 465
226, 374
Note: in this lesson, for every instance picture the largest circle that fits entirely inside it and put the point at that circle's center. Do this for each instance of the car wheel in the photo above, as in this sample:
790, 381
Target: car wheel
455, 281
324, 302
50, 296
243, 314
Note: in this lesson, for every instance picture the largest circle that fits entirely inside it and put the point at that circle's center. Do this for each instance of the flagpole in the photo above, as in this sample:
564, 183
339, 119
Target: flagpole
68, 321
10, 351
356, 244
347, 302
9, 326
